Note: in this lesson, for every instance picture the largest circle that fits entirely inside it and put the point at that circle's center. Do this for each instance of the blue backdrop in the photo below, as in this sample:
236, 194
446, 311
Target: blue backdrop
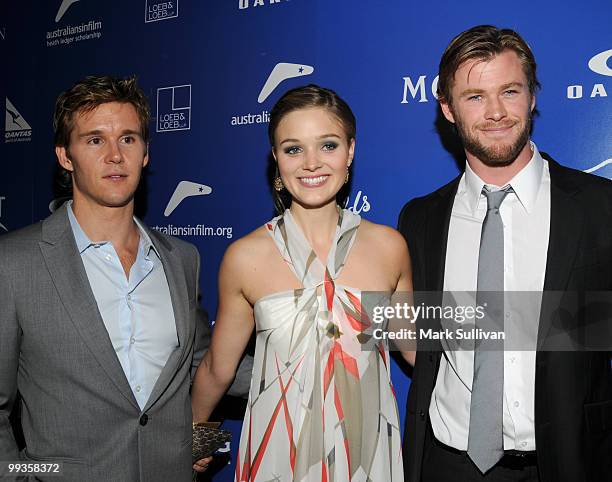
213, 69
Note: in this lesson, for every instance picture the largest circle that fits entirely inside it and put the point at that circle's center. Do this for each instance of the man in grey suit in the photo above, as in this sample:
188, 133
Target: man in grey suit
100, 329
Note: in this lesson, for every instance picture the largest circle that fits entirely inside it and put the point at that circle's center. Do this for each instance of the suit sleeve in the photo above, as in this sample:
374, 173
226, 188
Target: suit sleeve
202, 326
406, 222
10, 339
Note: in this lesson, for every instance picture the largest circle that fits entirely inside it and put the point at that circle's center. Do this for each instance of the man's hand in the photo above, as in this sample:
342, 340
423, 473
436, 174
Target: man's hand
202, 464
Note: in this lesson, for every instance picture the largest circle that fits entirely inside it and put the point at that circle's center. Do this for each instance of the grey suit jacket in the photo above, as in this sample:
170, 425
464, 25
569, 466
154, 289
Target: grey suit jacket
77, 406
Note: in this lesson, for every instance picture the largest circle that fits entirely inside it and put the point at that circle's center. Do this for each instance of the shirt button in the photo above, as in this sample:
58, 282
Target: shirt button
512, 360
516, 404
138, 388
132, 340
108, 257
507, 314
524, 444
129, 296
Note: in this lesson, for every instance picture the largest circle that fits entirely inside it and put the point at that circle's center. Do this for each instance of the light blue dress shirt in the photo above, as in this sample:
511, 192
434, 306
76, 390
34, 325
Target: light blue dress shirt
137, 311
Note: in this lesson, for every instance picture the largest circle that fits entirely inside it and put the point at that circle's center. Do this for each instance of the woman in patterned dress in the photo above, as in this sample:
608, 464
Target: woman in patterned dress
321, 405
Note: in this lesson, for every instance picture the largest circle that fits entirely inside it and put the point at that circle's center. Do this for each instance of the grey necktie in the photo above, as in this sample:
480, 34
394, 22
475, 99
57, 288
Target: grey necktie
485, 439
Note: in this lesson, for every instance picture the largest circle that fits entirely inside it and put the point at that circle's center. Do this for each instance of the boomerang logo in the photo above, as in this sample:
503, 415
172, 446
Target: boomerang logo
185, 189
599, 167
66, 4
281, 72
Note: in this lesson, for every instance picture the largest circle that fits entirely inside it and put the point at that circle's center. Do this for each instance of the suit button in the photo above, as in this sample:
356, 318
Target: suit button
430, 357
422, 415
144, 419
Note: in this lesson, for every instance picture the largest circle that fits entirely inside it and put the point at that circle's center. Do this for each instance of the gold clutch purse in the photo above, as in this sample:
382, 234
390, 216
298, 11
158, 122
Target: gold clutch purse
207, 439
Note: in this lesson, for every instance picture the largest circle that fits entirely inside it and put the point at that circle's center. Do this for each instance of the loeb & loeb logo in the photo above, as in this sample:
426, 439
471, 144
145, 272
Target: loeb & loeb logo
598, 64
174, 108
156, 10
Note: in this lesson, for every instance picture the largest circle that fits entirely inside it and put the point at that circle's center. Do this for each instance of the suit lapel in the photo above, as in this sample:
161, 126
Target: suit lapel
66, 268
436, 241
566, 224
175, 275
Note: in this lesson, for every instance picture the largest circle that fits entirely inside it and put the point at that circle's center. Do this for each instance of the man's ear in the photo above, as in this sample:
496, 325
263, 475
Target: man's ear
447, 111
63, 159
145, 160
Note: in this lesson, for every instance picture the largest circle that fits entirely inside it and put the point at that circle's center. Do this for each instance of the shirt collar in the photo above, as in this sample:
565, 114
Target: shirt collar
526, 183
83, 242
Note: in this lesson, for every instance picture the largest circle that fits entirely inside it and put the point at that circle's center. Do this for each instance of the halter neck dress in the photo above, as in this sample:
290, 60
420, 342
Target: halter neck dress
320, 408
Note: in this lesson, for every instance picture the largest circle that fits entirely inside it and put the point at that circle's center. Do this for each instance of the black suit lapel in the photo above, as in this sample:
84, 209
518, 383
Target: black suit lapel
436, 238
566, 225
434, 249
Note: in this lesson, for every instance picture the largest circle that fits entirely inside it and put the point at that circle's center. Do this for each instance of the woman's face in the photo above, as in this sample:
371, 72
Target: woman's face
313, 155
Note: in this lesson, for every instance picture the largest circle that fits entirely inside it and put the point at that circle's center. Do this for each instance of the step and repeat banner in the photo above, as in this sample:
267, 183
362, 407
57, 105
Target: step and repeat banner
213, 70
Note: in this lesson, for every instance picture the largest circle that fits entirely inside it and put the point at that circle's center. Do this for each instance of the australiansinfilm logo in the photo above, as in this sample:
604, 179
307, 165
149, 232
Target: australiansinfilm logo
156, 10
600, 64
174, 108
281, 72
16, 128
68, 33
185, 190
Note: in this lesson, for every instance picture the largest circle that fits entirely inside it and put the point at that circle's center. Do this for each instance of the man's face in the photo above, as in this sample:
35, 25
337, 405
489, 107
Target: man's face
106, 155
491, 107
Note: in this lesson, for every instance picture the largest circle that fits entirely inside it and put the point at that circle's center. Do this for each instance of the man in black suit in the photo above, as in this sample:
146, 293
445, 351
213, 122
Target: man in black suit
554, 238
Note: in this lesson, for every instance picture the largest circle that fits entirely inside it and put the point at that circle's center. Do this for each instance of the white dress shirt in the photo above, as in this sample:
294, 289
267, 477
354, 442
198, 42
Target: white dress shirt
137, 311
526, 217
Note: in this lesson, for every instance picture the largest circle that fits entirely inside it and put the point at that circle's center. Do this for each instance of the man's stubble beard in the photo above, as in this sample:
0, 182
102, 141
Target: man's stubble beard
497, 155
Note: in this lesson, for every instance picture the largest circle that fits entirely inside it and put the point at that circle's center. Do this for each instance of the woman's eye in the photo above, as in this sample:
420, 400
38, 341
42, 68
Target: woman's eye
292, 150
329, 146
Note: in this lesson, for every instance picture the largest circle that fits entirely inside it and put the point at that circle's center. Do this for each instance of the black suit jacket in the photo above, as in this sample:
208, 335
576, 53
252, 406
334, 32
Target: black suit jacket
573, 392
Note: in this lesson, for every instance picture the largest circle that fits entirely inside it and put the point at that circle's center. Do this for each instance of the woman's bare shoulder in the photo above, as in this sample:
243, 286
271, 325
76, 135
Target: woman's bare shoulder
382, 238
251, 249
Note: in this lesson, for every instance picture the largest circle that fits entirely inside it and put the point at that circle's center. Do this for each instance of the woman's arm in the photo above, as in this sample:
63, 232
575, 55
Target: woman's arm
231, 334
403, 290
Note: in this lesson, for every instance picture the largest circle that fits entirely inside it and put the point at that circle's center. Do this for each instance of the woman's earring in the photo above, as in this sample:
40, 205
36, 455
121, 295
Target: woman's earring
278, 184
346, 179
